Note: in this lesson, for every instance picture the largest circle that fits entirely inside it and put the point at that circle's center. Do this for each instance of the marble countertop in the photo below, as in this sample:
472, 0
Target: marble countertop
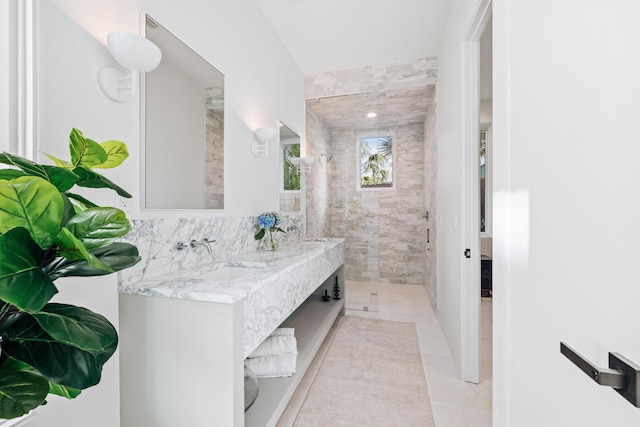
260, 268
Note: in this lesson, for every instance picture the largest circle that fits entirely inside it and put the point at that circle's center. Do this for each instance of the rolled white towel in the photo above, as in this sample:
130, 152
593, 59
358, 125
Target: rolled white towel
273, 366
275, 346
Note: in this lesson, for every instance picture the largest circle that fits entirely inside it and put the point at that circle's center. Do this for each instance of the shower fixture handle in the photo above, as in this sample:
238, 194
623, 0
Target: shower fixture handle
623, 375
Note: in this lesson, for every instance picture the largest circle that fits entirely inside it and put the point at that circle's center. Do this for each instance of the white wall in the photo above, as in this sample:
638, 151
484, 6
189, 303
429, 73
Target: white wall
450, 174
567, 207
263, 85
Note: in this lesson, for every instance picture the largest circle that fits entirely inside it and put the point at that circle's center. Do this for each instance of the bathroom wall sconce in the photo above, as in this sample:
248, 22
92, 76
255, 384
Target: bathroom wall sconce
295, 161
260, 145
306, 163
137, 55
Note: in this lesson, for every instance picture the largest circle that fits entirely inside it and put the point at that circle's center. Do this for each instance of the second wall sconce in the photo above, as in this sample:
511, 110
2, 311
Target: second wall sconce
295, 161
134, 53
303, 164
260, 145
306, 163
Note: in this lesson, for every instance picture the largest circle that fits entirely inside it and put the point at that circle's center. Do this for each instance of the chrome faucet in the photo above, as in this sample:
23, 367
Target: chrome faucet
204, 242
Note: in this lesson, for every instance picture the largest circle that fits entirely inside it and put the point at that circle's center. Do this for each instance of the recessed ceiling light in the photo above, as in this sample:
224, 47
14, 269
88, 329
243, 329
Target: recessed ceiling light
371, 115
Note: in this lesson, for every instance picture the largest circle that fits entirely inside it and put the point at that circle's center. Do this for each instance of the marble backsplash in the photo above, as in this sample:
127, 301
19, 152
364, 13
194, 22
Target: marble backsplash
156, 240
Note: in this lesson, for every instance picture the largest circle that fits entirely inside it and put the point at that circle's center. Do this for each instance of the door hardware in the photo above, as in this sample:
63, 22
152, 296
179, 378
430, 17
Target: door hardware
467, 253
623, 375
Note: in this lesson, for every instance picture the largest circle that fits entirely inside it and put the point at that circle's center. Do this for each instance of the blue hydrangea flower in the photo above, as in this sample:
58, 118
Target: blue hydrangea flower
268, 221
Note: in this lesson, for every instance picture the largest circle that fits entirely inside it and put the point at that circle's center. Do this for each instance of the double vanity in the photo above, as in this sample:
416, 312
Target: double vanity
184, 336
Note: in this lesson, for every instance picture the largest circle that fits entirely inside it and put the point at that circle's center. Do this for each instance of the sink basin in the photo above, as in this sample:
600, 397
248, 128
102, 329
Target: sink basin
225, 274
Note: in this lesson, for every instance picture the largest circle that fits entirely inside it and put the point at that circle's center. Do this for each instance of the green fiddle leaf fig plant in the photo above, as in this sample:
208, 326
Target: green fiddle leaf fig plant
48, 232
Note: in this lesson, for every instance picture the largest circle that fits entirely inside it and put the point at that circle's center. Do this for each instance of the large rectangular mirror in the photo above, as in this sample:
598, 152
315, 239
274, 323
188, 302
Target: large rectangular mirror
183, 110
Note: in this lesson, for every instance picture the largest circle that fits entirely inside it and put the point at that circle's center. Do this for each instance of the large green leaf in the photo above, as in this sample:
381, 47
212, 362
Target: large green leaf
20, 392
98, 227
11, 173
117, 153
59, 162
25, 165
11, 364
91, 179
61, 177
59, 362
60, 390
117, 256
22, 282
77, 326
85, 152
82, 203
31, 203
72, 248
68, 210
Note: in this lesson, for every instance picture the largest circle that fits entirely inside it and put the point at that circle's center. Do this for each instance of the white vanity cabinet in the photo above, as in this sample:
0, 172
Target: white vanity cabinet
312, 322
183, 340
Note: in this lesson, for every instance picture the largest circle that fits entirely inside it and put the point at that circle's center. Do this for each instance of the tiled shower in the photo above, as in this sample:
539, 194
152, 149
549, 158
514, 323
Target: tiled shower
389, 236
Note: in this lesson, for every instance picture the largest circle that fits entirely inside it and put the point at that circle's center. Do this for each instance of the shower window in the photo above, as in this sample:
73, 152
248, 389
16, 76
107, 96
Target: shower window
376, 157
290, 170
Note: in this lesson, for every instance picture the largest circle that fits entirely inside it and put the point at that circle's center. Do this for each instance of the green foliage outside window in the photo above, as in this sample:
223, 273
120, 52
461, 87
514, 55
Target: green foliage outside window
291, 177
376, 161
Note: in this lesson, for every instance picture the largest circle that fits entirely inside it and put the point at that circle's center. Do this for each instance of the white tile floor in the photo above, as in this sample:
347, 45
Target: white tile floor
455, 403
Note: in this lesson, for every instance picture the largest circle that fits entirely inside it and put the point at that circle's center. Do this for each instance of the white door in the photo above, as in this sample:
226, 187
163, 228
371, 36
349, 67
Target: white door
566, 207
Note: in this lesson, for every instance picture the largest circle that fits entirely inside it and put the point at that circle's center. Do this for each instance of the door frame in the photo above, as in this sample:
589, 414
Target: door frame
22, 78
470, 313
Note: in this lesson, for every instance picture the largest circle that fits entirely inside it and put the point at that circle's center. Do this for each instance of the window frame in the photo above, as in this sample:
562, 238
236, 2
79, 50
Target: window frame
358, 168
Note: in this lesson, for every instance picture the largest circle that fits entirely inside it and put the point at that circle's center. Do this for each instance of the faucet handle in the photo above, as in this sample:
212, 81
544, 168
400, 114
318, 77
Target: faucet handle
204, 242
180, 246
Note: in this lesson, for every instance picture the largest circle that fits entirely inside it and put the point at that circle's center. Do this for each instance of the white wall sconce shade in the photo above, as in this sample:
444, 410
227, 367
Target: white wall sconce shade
134, 53
295, 161
306, 163
303, 163
260, 145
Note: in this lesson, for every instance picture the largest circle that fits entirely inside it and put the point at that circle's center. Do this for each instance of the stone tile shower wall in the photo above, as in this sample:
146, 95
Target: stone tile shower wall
430, 177
214, 151
421, 72
318, 142
384, 231
289, 201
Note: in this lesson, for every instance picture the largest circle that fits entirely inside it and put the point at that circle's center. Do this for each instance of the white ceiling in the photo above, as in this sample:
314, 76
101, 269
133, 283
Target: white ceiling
330, 35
